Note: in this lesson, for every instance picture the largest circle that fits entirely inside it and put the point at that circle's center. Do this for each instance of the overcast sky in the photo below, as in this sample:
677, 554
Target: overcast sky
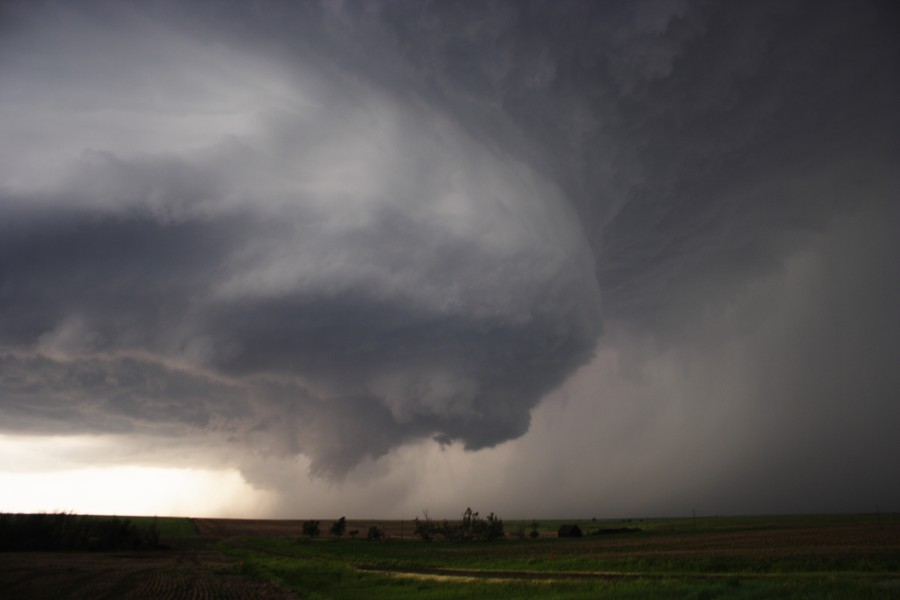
369, 258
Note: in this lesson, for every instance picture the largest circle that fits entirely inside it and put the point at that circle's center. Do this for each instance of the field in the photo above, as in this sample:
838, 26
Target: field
714, 557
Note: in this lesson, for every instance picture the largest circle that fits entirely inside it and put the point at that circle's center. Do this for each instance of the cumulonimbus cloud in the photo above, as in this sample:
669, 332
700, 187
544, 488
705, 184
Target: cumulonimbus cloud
354, 265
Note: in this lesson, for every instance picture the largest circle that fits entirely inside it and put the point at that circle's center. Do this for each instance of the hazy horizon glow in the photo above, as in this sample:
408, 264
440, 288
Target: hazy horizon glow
53, 482
543, 259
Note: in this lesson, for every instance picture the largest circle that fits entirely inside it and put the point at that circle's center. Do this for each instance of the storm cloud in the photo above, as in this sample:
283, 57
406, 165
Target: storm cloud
337, 230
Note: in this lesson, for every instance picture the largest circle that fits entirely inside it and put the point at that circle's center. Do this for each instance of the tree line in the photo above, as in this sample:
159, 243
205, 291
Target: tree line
471, 527
69, 532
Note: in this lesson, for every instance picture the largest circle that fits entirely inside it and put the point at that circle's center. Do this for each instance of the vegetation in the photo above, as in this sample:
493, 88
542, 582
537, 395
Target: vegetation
338, 527
808, 557
748, 557
70, 532
535, 529
311, 528
471, 527
425, 528
376, 533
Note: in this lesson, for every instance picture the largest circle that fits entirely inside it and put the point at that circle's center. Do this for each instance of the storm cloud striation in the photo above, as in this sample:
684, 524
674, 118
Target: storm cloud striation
335, 230
354, 264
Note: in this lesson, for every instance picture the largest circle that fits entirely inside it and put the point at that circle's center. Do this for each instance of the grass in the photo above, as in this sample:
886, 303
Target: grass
707, 523
168, 527
809, 557
323, 576
746, 557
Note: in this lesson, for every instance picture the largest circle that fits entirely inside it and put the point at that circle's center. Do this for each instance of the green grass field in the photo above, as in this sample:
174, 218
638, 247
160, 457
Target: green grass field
745, 557
168, 527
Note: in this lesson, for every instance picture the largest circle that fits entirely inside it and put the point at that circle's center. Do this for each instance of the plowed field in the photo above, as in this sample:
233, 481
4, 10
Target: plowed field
167, 575
839, 541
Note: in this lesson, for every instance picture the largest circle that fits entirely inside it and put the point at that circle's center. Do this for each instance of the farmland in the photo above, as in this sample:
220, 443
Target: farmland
733, 557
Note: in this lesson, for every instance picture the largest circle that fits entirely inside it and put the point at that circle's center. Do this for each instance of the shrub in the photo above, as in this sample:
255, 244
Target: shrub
65, 531
338, 527
534, 529
471, 527
426, 528
311, 528
490, 528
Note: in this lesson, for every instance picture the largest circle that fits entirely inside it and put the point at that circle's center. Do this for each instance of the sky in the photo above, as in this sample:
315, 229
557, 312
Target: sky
372, 258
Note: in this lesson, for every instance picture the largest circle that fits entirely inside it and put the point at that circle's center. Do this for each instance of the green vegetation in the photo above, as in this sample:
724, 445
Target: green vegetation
806, 557
169, 527
766, 557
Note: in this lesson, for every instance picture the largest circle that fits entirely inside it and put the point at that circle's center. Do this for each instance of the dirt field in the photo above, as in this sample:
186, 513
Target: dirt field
848, 541
225, 528
176, 574
189, 570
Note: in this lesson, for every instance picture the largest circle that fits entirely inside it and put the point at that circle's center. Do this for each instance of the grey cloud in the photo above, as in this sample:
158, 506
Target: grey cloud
139, 285
388, 222
123, 278
49, 393
401, 278
739, 133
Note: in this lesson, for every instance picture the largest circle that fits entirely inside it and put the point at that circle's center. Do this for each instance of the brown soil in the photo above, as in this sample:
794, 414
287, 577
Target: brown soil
843, 541
177, 574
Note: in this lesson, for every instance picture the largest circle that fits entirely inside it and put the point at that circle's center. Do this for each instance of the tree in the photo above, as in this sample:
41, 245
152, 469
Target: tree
338, 527
490, 528
375, 534
311, 528
474, 527
426, 528
467, 524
